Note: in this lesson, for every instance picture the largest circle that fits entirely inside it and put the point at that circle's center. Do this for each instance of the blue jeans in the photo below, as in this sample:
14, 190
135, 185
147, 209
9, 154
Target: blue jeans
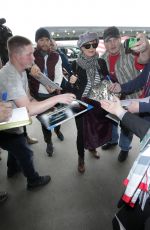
19, 154
125, 137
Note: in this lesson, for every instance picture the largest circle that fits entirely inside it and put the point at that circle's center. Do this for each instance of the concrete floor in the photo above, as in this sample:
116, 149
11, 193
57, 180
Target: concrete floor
71, 201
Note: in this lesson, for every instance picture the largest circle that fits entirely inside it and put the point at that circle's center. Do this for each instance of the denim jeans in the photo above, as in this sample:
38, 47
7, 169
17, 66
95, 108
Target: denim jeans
125, 137
19, 154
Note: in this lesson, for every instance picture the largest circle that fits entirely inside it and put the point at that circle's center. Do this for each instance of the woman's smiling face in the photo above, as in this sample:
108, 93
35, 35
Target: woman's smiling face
89, 48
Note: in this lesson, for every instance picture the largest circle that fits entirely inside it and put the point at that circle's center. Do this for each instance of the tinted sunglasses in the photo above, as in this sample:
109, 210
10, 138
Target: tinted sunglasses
88, 46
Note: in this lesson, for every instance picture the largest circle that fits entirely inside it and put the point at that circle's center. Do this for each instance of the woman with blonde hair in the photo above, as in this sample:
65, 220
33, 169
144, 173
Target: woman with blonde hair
93, 128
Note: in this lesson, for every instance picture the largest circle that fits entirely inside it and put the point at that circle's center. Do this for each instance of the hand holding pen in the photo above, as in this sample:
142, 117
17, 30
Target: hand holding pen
108, 78
73, 79
114, 87
4, 96
5, 111
5, 108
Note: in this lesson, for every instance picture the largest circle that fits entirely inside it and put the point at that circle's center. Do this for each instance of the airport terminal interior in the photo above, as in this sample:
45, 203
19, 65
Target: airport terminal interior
71, 201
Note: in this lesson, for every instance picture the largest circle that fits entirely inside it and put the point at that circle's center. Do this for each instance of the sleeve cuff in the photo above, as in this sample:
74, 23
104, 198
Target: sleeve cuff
121, 115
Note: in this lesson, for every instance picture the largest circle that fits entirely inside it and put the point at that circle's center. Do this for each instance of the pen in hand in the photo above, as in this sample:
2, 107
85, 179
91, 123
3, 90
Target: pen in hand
74, 80
108, 78
4, 96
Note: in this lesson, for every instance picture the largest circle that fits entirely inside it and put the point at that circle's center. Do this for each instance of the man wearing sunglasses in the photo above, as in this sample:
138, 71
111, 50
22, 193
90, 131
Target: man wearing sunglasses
123, 67
93, 128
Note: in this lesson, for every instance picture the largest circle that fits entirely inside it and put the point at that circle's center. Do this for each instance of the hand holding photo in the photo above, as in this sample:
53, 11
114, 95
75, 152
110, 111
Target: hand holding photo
44, 80
62, 113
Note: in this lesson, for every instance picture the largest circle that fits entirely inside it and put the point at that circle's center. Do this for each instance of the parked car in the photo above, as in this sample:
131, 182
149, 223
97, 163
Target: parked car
71, 51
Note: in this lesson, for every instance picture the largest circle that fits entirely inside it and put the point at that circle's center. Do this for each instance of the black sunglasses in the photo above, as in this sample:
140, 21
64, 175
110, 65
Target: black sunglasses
88, 46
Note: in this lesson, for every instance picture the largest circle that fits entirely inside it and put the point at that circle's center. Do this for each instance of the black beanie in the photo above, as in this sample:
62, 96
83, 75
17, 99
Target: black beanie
42, 32
111, 32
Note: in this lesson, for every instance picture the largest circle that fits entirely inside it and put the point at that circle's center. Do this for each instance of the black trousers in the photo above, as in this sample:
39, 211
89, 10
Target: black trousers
80, 135
48, 133
19, 154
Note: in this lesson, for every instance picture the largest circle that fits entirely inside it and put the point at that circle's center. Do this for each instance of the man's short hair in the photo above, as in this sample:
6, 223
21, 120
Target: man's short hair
15, 43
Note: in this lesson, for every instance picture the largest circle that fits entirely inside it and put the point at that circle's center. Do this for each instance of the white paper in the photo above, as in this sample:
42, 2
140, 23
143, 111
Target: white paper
18, 114
127, 102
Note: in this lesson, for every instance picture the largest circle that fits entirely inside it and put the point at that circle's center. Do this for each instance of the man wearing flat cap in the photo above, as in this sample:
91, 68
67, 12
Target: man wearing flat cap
123, 68
50, 64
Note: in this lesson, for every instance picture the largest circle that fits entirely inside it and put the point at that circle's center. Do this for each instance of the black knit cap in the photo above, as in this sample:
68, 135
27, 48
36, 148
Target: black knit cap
42, 32
111, 32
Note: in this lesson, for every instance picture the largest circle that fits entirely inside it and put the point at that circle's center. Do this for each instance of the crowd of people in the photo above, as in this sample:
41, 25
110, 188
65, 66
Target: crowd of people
128, 75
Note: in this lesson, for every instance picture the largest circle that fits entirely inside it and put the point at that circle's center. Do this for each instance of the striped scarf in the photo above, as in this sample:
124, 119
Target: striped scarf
138, 180
91, 66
